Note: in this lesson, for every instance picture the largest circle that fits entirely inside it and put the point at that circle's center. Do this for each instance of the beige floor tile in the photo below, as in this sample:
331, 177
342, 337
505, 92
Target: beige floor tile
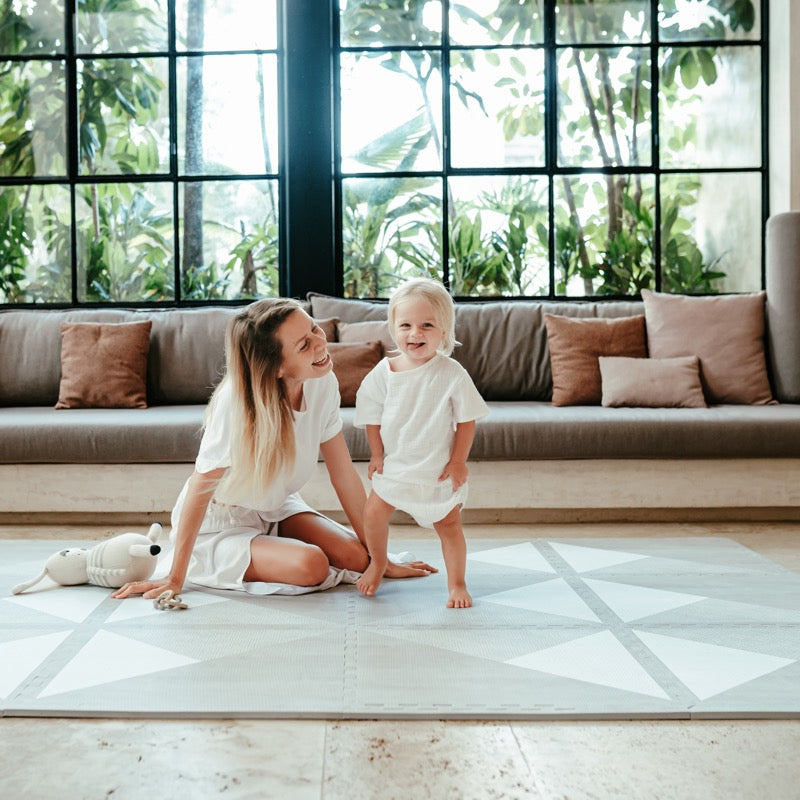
424, 760
691, 760
130, 760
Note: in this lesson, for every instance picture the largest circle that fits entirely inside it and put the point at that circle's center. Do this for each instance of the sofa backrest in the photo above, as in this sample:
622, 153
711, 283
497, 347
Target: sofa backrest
185, 362
503, 343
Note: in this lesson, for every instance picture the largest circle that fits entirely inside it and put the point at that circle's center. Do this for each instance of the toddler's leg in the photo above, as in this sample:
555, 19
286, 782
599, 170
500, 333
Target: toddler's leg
454, 550
376, 531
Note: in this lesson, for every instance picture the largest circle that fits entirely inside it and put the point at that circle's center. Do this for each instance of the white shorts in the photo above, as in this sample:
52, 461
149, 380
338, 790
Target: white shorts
427, 503
221, 553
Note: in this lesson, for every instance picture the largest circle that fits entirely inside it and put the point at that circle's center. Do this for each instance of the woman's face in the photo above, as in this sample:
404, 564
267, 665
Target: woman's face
304, 347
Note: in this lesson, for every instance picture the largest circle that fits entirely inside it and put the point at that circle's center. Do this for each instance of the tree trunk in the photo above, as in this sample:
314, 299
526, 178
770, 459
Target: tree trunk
193, 192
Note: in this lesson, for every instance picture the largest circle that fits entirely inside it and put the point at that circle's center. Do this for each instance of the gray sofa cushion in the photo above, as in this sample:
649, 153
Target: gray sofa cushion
185, 362
503, 343
513, 430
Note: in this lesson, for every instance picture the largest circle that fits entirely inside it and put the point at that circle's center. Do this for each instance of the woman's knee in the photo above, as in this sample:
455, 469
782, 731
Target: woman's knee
312, 566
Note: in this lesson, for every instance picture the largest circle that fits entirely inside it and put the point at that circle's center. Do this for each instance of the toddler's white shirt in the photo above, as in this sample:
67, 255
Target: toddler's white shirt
418, 411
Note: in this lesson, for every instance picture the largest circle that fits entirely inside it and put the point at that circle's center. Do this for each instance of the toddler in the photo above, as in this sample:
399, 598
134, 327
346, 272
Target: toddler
419, 409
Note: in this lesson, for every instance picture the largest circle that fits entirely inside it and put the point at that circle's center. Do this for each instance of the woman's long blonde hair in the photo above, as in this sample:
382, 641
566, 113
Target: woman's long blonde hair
261, 423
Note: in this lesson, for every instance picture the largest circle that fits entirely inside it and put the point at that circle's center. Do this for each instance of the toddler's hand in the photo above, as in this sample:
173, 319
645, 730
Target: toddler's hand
375, 465
457, 472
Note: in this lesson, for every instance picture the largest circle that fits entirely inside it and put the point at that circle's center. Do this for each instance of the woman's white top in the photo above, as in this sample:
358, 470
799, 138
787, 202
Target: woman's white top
317, 421
418, 411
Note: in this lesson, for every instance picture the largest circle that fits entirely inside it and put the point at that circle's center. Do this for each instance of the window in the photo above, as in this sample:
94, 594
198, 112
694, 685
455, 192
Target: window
188, 151
139, 158
565, 148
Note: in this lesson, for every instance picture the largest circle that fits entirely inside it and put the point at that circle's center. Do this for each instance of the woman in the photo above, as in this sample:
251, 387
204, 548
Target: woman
238, 520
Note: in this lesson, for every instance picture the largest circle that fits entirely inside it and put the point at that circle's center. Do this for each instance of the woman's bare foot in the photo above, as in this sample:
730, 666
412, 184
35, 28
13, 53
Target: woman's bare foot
371, 578
408, 569
459, 598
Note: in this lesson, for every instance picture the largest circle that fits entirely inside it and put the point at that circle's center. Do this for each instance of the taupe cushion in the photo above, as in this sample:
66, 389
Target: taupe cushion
368, 331
104, 365
651, 382
726, 332
575, 346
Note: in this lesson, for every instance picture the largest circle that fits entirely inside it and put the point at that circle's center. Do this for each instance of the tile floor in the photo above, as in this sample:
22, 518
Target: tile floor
382, 760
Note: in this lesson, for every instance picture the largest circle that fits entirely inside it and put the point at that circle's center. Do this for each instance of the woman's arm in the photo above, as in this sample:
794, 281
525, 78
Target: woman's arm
345, 481
198, 495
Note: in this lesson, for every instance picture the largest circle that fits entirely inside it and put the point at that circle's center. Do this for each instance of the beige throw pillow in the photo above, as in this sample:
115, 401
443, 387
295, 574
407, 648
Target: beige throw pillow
726, 332
369, 331
351, 363
651, 382
104, 365
575, 346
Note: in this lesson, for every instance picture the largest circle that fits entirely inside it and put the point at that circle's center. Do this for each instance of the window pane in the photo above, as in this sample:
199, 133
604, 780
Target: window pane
497, 108
603, 21
482, 22
604, 234
392, 230
710, 107
708, 19
33, 118
124, 116
391, 111
604, 107
365, 23
229, 240
125, 242
226, 24
126, 26
498, 236
711, 232
35, 236
32, 28
228, 115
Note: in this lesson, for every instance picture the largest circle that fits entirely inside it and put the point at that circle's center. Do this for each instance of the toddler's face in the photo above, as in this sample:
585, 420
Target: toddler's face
416, 330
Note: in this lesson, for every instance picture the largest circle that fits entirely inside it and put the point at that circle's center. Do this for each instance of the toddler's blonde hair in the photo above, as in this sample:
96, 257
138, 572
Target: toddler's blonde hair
442, 304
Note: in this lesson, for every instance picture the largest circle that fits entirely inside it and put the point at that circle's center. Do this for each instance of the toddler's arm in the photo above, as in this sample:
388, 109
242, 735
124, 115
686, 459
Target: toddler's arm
456, 467
375, 450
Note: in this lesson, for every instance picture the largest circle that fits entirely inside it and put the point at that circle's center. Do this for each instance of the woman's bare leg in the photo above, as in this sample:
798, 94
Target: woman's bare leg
376, 531
273, 559
343, 549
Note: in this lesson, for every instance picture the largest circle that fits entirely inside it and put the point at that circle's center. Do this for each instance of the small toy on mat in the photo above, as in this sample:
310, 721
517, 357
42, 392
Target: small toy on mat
112, 563
168, 600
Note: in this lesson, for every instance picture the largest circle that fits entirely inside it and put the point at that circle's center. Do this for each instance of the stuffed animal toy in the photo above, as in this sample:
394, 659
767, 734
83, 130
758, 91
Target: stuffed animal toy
112, 563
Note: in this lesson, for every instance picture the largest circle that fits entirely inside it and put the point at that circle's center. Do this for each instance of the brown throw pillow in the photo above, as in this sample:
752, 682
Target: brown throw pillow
329, 327
576, 344
652, 382
104, 365
351, 363
726, 332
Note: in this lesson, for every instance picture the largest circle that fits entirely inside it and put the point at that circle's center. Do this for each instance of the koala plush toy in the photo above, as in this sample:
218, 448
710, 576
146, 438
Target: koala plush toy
112, 563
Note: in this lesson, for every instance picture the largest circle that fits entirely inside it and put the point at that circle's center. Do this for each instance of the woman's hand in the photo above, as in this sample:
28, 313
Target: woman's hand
149, 589
408, 569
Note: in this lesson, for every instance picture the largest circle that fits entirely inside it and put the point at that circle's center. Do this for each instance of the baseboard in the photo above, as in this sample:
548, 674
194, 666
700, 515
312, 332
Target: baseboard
500, 491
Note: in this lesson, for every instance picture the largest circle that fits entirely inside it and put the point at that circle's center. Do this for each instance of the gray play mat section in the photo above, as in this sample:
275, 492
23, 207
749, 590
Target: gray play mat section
571, 628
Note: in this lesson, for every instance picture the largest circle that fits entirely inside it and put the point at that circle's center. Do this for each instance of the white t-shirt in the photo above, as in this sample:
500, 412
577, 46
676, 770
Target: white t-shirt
418, 411
317, 421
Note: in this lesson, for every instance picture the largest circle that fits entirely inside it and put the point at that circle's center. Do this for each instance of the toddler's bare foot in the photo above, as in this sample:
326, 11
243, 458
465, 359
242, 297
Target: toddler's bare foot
459, 598
370, 580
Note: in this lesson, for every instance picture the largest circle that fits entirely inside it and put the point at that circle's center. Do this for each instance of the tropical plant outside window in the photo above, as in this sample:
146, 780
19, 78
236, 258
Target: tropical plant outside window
507, 147
126, 147
567, 148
